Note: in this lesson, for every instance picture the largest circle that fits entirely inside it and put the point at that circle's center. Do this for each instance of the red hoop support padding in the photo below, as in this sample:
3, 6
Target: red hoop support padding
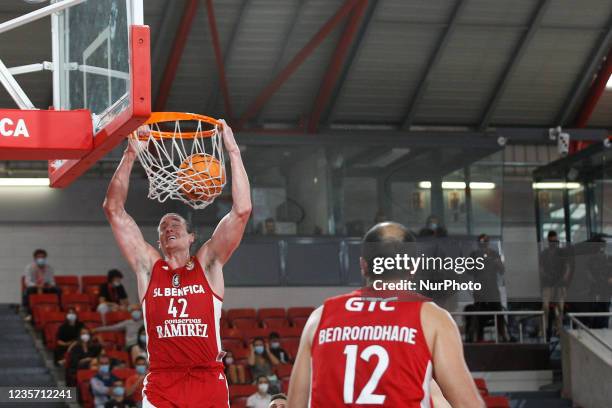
45, 135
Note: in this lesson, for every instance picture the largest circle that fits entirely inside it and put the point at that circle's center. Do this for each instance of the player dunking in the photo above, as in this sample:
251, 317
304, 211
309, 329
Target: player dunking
358, 350
181, 294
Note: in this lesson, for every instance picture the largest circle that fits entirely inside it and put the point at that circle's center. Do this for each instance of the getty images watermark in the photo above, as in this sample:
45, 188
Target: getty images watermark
406, 264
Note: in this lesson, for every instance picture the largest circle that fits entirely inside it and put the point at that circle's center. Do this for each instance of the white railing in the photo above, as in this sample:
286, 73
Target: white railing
526, 313
575, 321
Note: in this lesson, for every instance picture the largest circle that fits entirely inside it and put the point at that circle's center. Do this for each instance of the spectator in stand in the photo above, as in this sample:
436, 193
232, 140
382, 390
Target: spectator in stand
554, 278
67, 334
38, 278
131, 327
102, 382
80, 355
269, 226
140, 348
234, 372
112, 293
262, 361
133, 385
117, 397
261, 398
276, 349
278, 401
433, 228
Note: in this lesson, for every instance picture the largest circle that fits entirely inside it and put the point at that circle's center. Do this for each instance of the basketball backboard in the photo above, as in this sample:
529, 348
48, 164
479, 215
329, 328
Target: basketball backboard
101, 86
102, 55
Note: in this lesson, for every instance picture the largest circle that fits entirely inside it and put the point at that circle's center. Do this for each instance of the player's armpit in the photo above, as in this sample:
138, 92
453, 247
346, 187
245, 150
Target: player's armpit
299, 384
450, 370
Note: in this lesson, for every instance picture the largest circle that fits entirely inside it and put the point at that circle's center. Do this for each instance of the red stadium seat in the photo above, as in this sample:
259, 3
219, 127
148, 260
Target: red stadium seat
250, 334
244, 323
231, 343
481, 384
299, 322
50, 334
91, 286
224, 323
285, 387
241, 354
291, 346
83, 377
90, 319
44, 299
293, 312
241, 313
496, 402
267, 312
124, 373
241, 390
275, 322
80, 301
67, 283
239, 402
111, 340
283, 371
289, 332
120, 355
94, 295
116, 317
40, 313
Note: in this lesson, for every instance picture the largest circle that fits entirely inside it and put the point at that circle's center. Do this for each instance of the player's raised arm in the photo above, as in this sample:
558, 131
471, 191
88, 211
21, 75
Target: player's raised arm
299, 384
227, 235
450, 371
139, 254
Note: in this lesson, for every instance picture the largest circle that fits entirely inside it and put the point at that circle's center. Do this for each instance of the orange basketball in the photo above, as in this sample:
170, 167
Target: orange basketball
201, 177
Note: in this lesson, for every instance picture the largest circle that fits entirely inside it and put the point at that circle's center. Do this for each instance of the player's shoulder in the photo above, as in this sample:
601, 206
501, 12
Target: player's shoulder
434, 316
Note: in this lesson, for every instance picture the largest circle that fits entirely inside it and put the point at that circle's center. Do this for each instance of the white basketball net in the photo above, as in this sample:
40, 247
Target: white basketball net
161, 157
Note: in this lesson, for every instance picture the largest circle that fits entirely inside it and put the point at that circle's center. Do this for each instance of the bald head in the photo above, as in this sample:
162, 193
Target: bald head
385, 239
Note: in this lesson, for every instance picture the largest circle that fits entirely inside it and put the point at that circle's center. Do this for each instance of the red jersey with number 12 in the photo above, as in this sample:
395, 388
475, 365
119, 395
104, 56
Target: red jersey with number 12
181, 315
370, 352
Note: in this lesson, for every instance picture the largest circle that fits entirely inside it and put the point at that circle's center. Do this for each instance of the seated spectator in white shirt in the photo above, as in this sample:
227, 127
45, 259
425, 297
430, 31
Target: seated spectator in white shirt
131, 327
261, 399
38, 278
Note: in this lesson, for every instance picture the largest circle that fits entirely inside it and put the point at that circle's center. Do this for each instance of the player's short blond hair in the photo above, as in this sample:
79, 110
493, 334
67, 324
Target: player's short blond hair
179, 216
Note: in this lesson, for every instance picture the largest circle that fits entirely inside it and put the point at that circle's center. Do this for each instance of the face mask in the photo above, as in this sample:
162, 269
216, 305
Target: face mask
263, 388
71, 317
136, 314
116, 283
259, 349
229, 360
140, 369
274, 344
119, 391
85, 338
143, 338
103, 308
433, 225
41, 261
104, 368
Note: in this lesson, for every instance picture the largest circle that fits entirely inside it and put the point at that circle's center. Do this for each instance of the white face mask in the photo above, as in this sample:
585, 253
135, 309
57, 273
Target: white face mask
229, 360
263, 387
85, 338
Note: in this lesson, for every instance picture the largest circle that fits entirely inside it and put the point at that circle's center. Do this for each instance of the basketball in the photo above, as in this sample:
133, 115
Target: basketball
201, 177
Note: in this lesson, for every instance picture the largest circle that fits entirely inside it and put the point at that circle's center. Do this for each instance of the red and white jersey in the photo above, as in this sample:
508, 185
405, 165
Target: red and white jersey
368, 353
181, 315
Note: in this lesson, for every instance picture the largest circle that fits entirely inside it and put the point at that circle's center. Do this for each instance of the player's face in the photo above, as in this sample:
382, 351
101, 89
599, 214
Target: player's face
173, 234
279, 403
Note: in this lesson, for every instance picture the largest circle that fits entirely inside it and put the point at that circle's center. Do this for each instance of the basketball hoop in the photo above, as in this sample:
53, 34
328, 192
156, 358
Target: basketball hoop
182, 154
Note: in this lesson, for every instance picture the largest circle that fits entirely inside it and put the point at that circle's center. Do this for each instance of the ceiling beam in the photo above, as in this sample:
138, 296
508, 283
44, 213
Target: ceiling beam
584, 81
178, 46
515, 60
215, 84
432, 64
595, 92
214, 35
162, 46
368, 154
282, 50
337, 61
296, 62
329, 114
